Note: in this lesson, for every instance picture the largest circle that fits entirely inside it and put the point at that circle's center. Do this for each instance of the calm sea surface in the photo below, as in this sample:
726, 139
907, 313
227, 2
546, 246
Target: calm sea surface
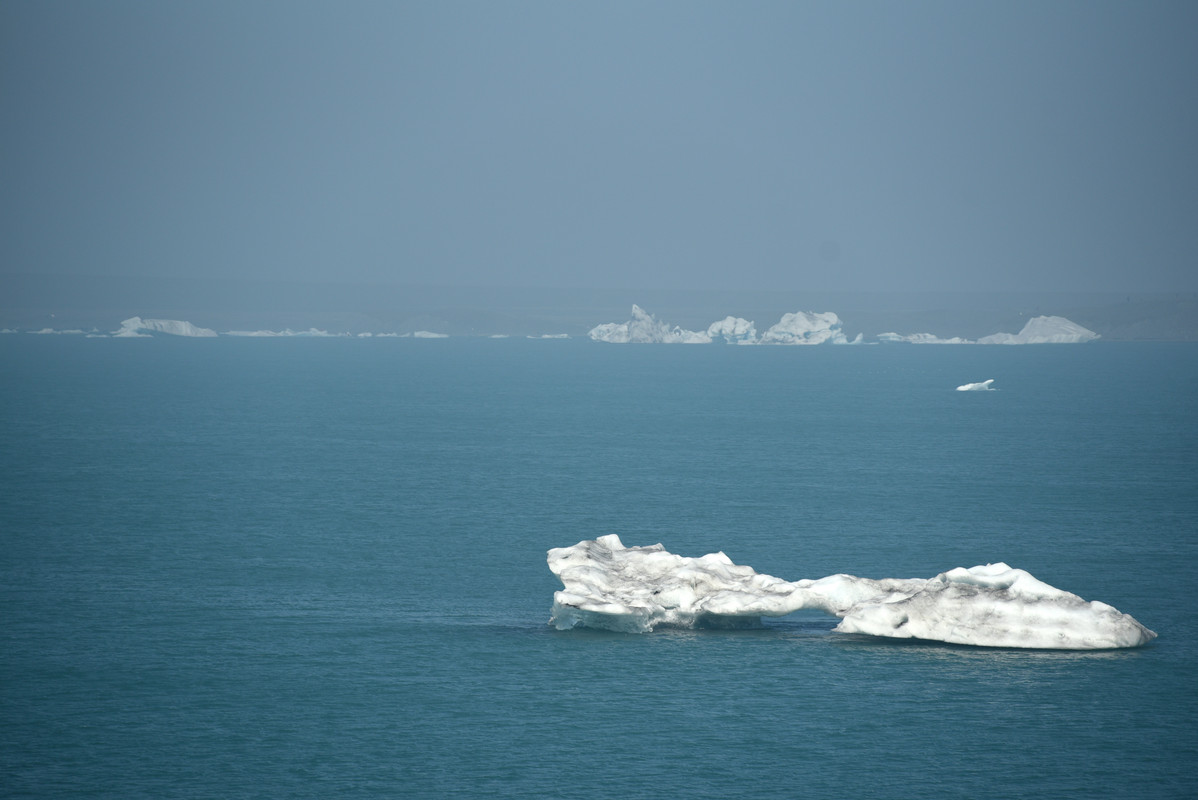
316, 568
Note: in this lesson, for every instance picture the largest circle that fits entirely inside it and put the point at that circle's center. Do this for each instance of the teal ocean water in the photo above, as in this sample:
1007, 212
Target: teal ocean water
316, 568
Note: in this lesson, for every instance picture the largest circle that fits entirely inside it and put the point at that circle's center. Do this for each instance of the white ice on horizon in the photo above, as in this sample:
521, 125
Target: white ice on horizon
921, 338
1037, 330
310, 333
806, 327
733, 330
981, 386
796, 328
1044, 330
134, 327
644, 328
637, 589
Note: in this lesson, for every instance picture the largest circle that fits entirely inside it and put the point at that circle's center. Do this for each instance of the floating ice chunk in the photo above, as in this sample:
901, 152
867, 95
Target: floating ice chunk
804, 327
429, 335
135, 327
1044, 330
983, 386
920, 338
997, 606
1037, 330
310, 333
733, 330
644, 328
636, 589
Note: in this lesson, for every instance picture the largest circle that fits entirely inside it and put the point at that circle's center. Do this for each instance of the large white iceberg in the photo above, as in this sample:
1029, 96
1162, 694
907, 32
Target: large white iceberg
805, 327
644, 328
1044, 330
799, 327
733, 330
135, 327
636, 589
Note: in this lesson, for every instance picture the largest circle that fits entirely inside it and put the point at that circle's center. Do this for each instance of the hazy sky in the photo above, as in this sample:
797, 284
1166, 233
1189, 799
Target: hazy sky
1007, 146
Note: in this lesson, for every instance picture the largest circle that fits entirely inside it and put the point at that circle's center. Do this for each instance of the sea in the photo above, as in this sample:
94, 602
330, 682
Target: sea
315, 568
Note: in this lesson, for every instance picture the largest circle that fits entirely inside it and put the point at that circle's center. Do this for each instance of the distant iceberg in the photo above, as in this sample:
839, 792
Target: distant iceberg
135, 327
429, 335
637, 589
1037, 330
803, 327
310, 333
733, 330
920, 338
1044, 330
799, 327
644, 328
982, 386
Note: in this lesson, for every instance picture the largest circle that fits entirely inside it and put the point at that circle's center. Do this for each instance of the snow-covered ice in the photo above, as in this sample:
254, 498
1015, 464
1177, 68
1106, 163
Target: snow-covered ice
981, 386
798, 327
733, 330
644, 328
310, 333
920, 338
805, 327
636, 589
136, 326
1044, 330
1037, 330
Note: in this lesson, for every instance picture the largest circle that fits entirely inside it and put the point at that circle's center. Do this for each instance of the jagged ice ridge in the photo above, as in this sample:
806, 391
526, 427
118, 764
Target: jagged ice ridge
637, 589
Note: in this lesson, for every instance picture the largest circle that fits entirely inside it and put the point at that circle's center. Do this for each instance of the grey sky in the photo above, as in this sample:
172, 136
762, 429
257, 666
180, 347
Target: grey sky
797, 146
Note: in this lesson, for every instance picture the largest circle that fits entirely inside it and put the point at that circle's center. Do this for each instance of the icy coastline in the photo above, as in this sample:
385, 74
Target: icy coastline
637, 589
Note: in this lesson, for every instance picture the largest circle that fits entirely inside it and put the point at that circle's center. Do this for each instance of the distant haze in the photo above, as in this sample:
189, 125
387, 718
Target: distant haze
668, 146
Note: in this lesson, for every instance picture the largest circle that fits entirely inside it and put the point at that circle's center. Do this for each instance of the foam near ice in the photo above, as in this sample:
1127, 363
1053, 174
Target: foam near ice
637, 589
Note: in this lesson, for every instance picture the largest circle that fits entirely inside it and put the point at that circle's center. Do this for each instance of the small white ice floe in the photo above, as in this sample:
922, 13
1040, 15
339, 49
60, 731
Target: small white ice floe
983, 386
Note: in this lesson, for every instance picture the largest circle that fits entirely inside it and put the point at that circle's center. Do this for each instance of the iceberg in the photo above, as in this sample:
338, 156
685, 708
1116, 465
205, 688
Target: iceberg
983, 386
134, 327
311, 332
644, 328
1044, 330
920, 338
1037, 330
733, 330
799, 327
804, 327
637, 589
